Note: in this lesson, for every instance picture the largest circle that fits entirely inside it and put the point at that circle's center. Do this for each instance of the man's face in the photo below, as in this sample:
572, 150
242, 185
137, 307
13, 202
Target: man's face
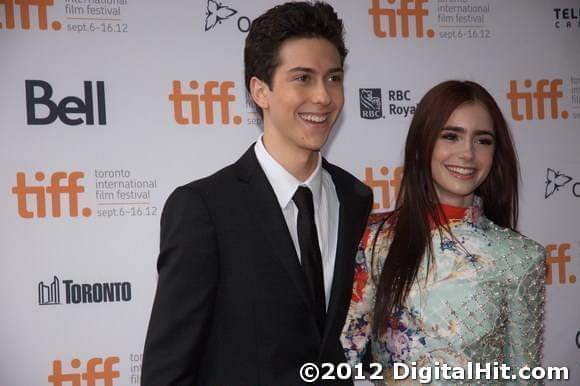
305, 98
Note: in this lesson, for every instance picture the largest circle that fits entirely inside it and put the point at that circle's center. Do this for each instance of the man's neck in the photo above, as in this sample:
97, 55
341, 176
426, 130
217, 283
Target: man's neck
301, 163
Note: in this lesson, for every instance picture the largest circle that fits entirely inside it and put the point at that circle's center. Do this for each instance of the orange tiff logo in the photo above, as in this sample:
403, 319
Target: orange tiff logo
187, 105
387, 187
557, 254
106, 373
24, 10
386, 20
56, 190
545, 90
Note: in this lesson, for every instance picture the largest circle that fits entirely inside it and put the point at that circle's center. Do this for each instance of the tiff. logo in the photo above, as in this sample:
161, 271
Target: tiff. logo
56, 189
106, 373
540, 96
407, 11
194, 101
557, 255
24, 9
384, 185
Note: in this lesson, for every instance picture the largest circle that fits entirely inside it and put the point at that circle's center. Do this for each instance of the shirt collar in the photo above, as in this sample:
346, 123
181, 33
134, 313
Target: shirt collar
284, 183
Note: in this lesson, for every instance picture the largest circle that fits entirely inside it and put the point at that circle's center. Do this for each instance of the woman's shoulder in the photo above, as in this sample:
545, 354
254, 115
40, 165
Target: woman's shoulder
381, 220
379, 225
377, 237
524, 250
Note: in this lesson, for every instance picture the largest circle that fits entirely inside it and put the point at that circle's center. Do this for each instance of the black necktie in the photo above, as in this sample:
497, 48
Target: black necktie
310, 253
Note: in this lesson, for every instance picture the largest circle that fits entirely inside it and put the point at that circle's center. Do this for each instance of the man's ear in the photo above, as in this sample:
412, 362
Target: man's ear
259, 91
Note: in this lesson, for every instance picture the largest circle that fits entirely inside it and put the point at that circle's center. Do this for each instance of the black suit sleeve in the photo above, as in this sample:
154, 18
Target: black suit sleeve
188, 274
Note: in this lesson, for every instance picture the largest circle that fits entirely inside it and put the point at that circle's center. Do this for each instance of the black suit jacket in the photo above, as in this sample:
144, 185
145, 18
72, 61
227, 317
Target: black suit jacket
231, 306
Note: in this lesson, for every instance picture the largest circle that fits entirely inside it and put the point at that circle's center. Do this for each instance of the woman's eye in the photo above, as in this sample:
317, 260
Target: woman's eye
485, 141
449, 136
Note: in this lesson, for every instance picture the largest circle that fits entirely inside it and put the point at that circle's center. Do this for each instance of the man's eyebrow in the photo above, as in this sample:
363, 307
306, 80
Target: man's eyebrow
301, 69
310, 70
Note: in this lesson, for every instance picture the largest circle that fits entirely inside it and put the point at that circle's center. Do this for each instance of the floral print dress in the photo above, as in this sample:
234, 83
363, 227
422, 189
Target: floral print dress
482, 300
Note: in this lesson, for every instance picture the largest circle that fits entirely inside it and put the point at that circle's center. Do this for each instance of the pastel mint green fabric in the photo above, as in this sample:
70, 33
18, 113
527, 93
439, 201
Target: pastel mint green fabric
482, 300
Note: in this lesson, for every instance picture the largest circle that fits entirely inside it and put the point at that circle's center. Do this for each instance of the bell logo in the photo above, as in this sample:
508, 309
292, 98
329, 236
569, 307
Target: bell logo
387, 187
97, 369
540, 96
24, 9
223, 97
408, 10
68, 106
557, 254
56, 189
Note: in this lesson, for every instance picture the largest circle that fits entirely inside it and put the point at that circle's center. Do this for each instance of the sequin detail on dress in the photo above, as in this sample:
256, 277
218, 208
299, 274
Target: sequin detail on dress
482, 301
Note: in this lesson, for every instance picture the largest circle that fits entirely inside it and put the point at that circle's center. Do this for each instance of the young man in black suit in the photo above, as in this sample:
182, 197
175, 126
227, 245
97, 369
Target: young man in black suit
257, 260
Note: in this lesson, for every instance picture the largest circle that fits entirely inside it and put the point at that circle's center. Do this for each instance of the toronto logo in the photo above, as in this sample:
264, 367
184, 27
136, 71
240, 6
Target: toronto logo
554, 181
80, 293
49, 294
216, 12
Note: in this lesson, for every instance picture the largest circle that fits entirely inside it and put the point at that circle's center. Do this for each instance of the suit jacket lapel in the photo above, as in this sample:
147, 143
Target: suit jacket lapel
269, 218
345, 251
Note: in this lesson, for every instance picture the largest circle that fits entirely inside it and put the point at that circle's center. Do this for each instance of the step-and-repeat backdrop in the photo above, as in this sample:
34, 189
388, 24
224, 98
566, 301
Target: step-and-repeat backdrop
107, 105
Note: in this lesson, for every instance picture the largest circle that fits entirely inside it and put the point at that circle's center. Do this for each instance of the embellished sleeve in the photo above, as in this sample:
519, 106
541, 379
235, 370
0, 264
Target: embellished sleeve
525, 318
358, 325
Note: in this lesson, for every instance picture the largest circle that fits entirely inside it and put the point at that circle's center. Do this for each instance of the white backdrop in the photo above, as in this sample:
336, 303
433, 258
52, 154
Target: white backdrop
97, 128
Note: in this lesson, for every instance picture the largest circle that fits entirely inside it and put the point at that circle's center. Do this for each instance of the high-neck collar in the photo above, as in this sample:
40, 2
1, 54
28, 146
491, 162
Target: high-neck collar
455, 214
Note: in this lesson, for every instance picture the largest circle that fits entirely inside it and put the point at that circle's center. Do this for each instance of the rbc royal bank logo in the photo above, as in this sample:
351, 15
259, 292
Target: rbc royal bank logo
371, 103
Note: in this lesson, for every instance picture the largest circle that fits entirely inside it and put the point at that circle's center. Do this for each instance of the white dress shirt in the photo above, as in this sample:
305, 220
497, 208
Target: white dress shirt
326, 207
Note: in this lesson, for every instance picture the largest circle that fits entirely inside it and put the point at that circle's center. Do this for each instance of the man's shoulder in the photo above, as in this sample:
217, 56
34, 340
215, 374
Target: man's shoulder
227, 175
221, 186
345, 178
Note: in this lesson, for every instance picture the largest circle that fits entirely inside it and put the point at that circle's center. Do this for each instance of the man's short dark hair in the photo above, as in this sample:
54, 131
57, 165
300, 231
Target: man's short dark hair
292, 20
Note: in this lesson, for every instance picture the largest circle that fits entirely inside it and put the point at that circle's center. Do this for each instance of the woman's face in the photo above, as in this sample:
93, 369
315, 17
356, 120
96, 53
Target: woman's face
463, 154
